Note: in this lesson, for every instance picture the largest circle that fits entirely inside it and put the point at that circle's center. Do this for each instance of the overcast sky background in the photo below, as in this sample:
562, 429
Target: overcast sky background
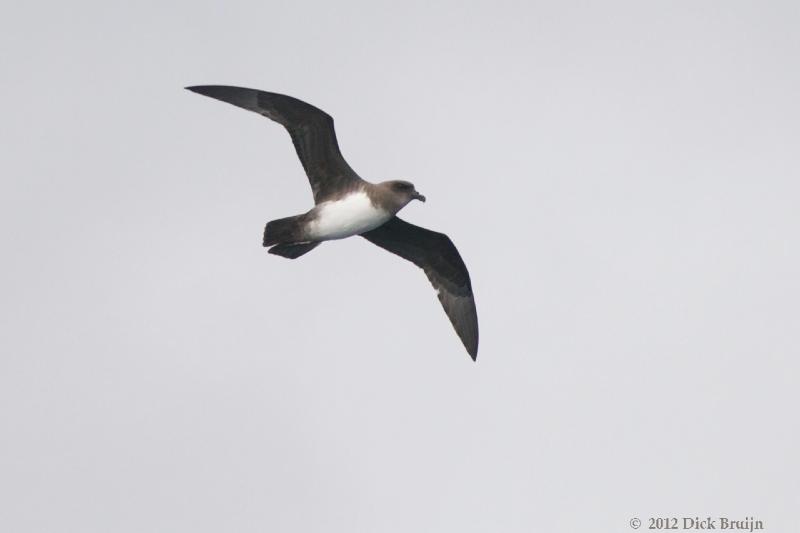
621, 179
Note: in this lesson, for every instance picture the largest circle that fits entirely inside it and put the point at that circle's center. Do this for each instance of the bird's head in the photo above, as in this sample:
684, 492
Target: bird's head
400, 192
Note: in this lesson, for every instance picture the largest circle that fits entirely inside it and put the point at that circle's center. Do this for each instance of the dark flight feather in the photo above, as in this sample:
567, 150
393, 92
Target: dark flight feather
438, 257
311, 130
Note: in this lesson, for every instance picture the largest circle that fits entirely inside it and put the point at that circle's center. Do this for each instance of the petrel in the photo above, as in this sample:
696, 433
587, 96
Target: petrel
347, 205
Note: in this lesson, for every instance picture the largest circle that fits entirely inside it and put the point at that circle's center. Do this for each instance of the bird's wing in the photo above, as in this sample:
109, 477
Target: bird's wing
311, 130
436, 254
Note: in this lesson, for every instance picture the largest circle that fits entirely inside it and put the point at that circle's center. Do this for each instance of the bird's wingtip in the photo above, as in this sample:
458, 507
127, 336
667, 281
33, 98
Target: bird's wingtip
471, 344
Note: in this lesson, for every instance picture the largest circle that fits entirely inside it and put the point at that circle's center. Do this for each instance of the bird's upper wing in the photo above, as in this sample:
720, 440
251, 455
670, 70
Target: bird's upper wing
311, 130
436, 254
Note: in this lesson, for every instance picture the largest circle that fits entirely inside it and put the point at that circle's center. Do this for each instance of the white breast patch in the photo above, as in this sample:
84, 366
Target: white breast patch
351, 215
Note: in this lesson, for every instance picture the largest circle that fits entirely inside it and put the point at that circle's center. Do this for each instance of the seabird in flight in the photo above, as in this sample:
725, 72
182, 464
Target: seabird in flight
346, 205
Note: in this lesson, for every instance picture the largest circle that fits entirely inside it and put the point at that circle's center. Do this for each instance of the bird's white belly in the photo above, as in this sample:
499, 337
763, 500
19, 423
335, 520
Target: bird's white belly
351, 215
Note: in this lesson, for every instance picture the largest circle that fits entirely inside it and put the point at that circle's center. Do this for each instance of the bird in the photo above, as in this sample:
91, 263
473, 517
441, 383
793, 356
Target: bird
345, 205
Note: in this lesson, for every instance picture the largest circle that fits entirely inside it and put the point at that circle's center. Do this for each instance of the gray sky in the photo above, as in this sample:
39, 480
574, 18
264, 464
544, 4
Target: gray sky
621, 179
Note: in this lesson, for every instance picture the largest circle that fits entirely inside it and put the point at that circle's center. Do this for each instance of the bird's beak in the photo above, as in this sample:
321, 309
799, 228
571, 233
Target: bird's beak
418, 196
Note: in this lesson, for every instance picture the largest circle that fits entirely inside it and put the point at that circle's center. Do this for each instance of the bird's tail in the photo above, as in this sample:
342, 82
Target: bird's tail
293, 251
285, 235
284, 231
